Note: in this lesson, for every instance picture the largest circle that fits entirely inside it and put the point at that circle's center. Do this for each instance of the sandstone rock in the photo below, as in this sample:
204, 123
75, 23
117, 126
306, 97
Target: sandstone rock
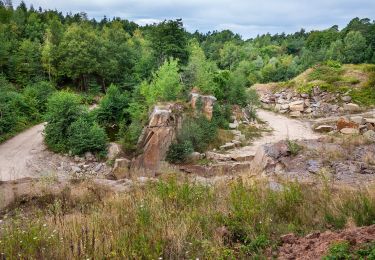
349, 131
351, 107
114, 150
307, 103
370, 120
296, 106
343, 123
324, 128
121, 168
234, 125
370, 135
206, 101
295, 114
308, 110
304, 95
194, 156
346, 98
156, 138
357, 119
217, 156
284, 106
98, 167
227, 146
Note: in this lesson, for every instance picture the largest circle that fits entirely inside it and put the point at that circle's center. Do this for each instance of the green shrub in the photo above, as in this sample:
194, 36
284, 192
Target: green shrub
86, 135
37, 95
112, 108
339, 251
221, 115
294, 147
178, 152
63, 109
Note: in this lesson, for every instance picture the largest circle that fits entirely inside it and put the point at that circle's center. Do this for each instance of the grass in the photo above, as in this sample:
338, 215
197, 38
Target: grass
174, 219
343, 250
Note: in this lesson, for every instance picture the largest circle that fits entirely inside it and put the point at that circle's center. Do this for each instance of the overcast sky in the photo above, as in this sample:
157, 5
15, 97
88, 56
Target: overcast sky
246, 17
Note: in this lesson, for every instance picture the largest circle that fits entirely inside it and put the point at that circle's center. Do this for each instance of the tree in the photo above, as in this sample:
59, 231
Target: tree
63, 109
199, 72
169, 39
78, 54
165, 85
355, 49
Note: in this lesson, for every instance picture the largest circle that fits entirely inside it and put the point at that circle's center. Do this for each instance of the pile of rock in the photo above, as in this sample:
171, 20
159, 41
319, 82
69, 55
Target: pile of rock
316, 104
349, 126
83, 166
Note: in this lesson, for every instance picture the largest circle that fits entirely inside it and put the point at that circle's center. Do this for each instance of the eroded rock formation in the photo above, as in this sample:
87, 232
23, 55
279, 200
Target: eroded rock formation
156, 138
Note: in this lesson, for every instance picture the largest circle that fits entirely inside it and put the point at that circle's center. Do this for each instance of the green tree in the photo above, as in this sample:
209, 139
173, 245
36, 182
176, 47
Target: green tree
78, 54
63, 109
112, 108
169, 39
199, 72
165, 85
355, 49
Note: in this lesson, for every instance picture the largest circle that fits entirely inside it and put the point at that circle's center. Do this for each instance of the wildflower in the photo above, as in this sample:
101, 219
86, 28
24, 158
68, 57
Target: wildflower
44, 225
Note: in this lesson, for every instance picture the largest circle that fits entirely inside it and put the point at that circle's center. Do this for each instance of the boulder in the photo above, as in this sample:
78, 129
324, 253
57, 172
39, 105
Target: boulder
351, 107
346, 98
89, 157
314, 166
357, 119
295, 114
343, 123
324, 128
297, 106
370, 120
121, 168
194, 157
267, 156
349, 131
284, 106
234, 125
156, 138
113, 151
207, 103
370, 135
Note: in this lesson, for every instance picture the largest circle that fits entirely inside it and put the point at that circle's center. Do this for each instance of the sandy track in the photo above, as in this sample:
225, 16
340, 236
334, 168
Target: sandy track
283, 128
18, 154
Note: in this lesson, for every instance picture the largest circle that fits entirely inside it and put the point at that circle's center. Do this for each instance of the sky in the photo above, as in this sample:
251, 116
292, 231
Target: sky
246, 17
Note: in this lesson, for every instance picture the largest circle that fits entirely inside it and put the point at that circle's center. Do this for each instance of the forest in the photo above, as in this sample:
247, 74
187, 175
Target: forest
51, 63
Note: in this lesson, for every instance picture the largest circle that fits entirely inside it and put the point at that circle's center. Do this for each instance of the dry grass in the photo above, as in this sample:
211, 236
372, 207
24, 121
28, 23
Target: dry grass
175, 219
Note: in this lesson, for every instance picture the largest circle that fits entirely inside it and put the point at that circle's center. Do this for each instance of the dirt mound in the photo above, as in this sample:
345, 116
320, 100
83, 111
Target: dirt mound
316, 245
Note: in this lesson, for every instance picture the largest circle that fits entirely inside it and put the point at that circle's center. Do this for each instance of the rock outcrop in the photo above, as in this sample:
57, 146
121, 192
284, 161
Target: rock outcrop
156, 138
203, 103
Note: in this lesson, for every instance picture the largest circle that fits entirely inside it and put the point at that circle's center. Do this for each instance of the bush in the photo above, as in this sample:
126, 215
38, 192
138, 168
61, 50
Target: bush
112, 109
221, 115
63, 109
178, 152
37, 95
86, 135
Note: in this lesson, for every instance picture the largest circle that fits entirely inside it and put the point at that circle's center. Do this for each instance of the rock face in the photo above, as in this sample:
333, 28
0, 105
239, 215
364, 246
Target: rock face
206, 103
156, 138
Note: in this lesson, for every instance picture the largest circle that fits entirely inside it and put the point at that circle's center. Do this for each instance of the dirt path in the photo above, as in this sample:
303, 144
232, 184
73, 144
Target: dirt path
283, 128
17, 154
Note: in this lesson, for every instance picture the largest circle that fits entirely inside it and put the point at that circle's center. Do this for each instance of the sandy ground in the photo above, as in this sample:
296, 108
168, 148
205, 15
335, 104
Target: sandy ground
18, 154
283, 128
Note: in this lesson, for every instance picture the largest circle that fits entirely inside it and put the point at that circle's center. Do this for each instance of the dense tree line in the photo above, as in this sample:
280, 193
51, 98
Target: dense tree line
136, 66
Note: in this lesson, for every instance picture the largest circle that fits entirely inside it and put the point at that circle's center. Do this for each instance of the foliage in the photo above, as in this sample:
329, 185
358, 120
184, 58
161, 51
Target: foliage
63, 109
294, 147
112, 107
86, 135
37, 95
179, 152
165, 85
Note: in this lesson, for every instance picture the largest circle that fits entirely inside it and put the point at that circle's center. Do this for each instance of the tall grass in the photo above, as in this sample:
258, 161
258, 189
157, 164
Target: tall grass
171, 219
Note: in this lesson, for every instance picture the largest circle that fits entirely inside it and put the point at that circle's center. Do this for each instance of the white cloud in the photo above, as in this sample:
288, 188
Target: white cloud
247, 17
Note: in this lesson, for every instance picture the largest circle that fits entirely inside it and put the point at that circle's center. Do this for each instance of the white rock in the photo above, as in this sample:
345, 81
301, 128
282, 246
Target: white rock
370, 120
351, 107
357, 119
295, 114
346, 98
324, 128
349, 131
370, 135
297, 106
227, 146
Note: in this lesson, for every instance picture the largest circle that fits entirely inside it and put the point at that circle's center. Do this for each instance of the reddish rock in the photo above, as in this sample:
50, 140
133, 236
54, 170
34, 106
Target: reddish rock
207, 103
156, 138
343, 123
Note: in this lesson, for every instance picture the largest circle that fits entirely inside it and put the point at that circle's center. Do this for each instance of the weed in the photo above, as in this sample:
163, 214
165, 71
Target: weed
294, 147
339, 251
